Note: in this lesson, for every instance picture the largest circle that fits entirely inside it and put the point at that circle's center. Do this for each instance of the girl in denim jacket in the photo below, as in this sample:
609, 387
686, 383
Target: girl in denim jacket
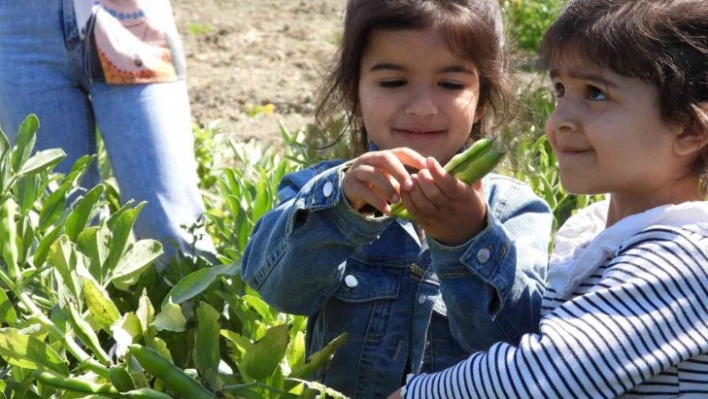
420, 81
625, 314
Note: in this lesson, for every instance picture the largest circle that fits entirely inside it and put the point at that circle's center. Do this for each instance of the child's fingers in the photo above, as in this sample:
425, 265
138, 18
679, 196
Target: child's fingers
429, 188
445, 181
409, 157
417, 200
364, 178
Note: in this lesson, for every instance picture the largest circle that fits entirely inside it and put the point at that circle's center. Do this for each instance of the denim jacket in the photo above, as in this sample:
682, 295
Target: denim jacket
408, 306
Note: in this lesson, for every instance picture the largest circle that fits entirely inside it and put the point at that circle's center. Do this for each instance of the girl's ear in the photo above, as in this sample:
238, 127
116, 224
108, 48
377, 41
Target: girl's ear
693, 138
479, 113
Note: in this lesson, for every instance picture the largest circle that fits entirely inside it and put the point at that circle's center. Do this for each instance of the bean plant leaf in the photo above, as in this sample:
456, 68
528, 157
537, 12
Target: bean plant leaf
240, 342
266, 312
195, 283
121, 227
27, 191
145, 312
318, 359
28, 352
24, 141
94, 242
132, 265
125, 331
40, 255
53, 207
41, 161
263, 356
7, 312
170, 319
65, 259
100, 304
79, 217
206, 353
84, 332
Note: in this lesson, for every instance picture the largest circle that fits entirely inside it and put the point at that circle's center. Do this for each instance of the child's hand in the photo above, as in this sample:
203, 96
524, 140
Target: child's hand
448, 210
377, 178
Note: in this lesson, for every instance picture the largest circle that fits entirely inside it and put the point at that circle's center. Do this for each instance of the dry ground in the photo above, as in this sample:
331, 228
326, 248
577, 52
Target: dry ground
244, 53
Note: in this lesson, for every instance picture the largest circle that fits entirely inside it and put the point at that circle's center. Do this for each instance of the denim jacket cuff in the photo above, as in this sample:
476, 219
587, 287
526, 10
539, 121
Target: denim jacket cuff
327, 195
482, 255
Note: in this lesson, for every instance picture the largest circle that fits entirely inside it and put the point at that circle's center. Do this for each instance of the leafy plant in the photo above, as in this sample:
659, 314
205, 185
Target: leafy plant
86, 315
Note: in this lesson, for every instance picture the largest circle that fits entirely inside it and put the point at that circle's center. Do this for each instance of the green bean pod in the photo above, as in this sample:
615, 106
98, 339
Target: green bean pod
8, 237
480, 167
174, 377
146, 393
468, 166
73, 384
476, 150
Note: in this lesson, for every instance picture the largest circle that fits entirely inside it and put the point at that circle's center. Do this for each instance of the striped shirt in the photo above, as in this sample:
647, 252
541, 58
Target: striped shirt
638, 327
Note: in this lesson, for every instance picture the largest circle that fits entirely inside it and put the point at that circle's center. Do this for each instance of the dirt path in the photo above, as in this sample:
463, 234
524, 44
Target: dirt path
245, 53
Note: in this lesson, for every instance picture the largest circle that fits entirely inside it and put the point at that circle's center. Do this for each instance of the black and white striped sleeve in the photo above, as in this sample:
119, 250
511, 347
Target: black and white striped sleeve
647, 314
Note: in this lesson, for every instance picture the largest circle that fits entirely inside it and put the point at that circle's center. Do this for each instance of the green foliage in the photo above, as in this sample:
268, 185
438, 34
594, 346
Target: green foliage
528, 20
78, 294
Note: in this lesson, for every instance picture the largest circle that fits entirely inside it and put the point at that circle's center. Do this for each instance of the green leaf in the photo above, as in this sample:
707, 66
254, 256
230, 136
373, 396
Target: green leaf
83, 331
27, 190
42, 161
53, 207
40, 255
126, 331
268, 314
64, 258
7, 312
263, 356
4, 142
30, 353
145, 312
170, 319
195, 283
206, 353
296, 355
24, 141
240, 342
94, 242
121, 227
79, 217
100, 304
318, 359
132, 265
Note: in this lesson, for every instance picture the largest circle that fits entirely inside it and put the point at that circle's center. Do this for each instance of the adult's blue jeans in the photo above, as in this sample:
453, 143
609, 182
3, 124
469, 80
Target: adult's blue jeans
146, 128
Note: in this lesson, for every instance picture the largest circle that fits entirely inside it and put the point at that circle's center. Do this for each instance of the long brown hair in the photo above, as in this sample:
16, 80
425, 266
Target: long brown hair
472, 29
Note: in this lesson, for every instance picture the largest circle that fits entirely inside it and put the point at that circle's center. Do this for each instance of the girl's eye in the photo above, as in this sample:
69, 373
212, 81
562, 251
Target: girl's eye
451, 85
558, 89
390, 84
595, 94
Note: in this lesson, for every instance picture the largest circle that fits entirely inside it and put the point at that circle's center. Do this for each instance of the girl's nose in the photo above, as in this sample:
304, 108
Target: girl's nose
421, 103
564, 117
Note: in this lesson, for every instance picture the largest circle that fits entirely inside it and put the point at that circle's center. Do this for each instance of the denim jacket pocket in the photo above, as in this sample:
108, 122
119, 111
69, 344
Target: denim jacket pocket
365, 282
444, 350
364, 308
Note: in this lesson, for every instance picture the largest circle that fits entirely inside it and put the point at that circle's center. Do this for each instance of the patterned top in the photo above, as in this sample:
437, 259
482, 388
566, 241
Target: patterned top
136, 41
637, 326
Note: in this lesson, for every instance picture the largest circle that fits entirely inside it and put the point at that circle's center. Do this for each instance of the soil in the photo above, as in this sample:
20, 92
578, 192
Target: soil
245, 54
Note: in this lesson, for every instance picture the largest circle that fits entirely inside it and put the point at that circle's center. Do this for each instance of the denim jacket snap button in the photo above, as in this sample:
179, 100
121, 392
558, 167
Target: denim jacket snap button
351, 281
483, 255
421, 299
327, 189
